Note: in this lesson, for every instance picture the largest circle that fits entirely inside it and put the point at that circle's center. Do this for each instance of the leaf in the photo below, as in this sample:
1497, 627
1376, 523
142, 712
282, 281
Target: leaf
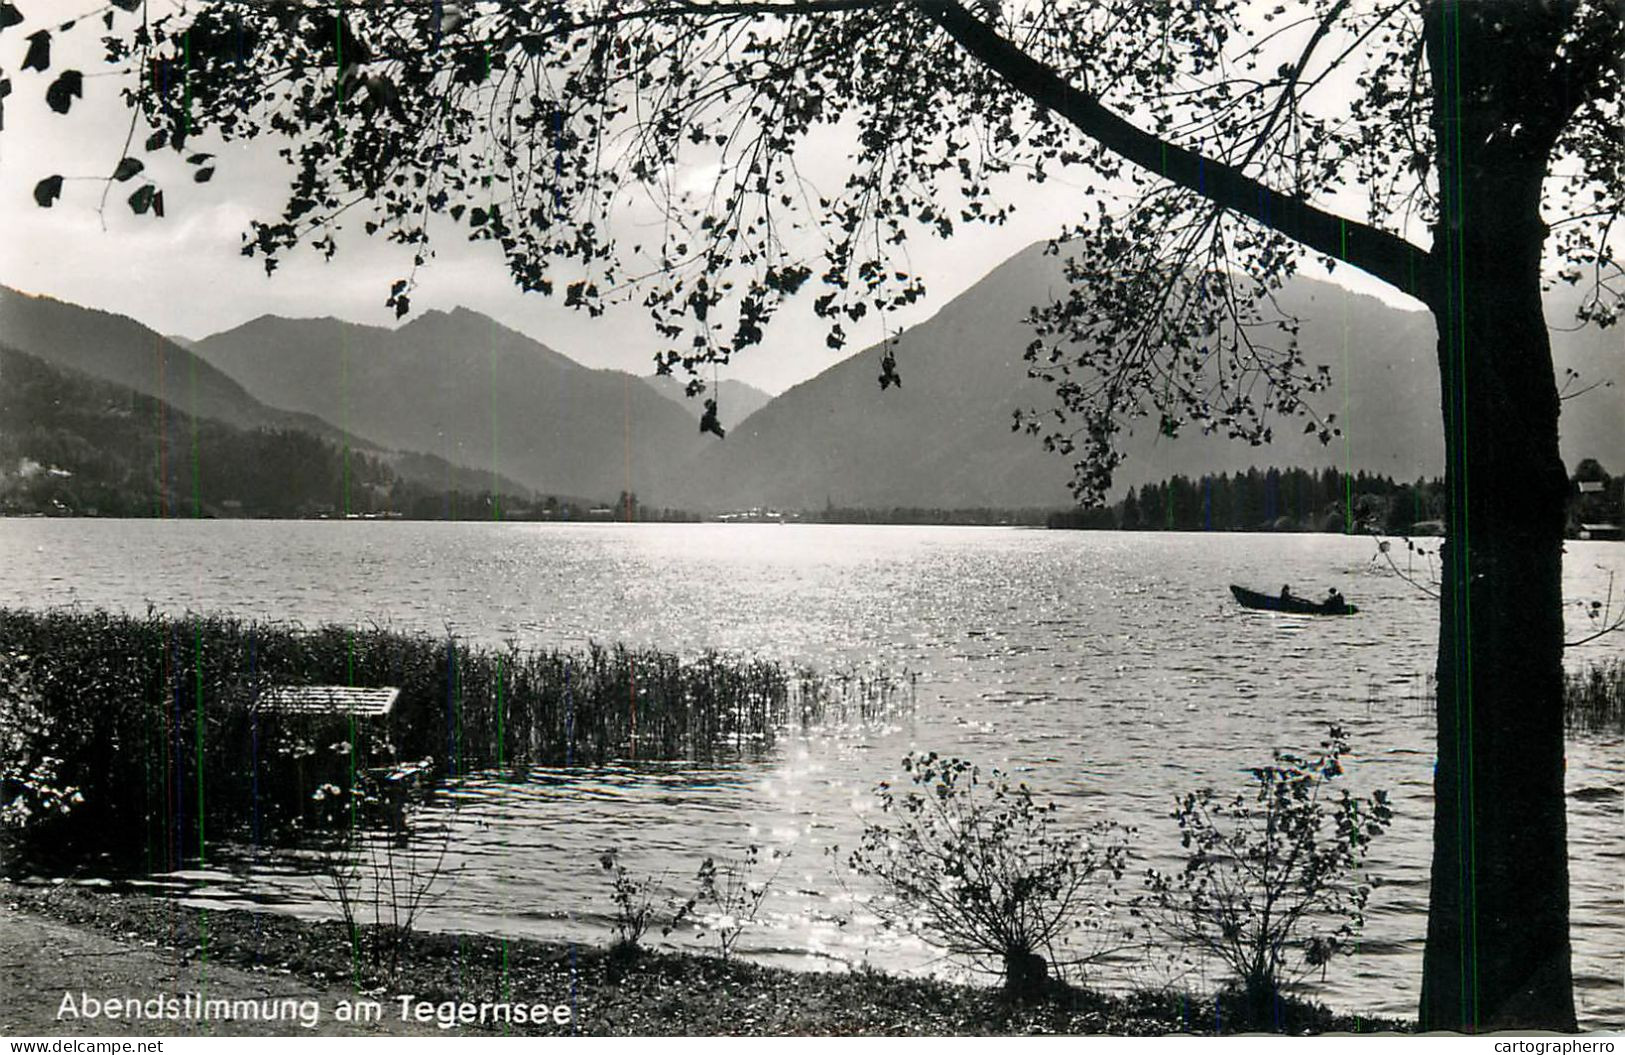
47, 191
39, 51
127, 168
9, 16
126, 5
198, 159
141, 200
203, 175
60, 95
157, 140
158, 205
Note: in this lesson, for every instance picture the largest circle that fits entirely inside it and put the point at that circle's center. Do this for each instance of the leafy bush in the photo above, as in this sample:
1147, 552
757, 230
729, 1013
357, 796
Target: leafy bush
1270, 884
981, 871
32, 793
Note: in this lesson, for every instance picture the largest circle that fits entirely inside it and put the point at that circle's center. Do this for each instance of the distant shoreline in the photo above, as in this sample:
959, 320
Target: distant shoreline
702, 519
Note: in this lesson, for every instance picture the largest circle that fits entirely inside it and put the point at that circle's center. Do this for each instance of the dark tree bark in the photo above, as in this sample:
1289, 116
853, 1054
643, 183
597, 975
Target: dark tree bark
1498, 918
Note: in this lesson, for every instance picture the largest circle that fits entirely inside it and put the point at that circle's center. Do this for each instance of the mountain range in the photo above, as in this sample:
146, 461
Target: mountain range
466, 388
943, 438
735, 399
479, 398
105, 347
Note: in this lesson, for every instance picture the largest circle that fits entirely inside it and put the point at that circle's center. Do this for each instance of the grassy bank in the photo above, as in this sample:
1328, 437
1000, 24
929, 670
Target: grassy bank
651, 993
155, 720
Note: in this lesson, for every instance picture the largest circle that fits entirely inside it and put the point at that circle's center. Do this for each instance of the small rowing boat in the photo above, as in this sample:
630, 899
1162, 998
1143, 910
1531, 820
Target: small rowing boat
1297, 605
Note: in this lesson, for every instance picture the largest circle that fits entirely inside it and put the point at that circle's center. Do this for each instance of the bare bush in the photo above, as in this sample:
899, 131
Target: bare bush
727, 900
635, 900
382, 879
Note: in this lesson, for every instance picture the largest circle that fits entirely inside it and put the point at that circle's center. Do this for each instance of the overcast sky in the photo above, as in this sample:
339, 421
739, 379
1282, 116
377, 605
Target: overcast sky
185, 274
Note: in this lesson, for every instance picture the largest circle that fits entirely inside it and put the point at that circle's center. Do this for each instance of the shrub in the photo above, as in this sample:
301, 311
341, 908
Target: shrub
1270, 882
981, 871
634, 903
380, 879
727, 900
32, 793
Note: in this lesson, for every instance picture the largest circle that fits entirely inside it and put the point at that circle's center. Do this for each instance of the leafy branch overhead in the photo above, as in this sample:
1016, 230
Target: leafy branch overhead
713, 159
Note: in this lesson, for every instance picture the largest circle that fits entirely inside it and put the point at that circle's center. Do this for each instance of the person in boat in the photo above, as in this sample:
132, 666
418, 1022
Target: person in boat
1334, 600
1286, 593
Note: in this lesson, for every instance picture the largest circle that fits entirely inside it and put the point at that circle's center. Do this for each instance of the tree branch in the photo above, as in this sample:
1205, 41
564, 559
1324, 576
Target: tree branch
1386, 256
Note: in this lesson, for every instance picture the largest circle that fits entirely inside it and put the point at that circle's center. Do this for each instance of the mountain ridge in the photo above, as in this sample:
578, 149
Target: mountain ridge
943, 438
468, 390
736, 400
110, 347
471, 390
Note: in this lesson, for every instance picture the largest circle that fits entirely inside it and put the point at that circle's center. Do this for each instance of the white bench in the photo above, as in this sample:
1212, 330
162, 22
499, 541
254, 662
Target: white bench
329, 699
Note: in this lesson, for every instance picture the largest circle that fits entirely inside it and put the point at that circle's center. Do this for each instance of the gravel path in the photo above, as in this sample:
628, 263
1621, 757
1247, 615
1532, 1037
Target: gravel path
41, 960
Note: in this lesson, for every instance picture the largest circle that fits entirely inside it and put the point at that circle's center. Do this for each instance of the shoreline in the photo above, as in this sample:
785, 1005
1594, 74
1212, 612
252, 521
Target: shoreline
606, 992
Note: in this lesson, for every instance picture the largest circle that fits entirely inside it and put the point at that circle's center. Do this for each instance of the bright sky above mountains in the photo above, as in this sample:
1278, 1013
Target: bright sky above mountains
184, 274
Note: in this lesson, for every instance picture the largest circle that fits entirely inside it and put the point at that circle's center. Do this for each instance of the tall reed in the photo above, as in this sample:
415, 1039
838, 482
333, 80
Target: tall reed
157, 723
1594, 698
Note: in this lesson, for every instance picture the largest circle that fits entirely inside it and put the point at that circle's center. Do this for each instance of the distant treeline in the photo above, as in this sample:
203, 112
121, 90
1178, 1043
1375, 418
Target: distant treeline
1328, 500
71, 445
486, 505
1033, 517
1268, 500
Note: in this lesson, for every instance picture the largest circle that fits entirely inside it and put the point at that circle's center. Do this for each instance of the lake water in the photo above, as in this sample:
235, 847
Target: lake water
1110, 671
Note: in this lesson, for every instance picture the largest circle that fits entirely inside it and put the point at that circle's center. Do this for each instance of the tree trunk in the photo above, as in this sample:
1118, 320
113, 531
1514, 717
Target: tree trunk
1498, 919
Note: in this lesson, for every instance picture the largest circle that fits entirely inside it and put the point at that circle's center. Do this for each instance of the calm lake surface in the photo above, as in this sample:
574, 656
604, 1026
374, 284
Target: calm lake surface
1110, 671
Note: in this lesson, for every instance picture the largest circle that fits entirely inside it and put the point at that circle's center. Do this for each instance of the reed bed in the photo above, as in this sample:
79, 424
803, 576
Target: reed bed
852, 697
1594, 698
155, 721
